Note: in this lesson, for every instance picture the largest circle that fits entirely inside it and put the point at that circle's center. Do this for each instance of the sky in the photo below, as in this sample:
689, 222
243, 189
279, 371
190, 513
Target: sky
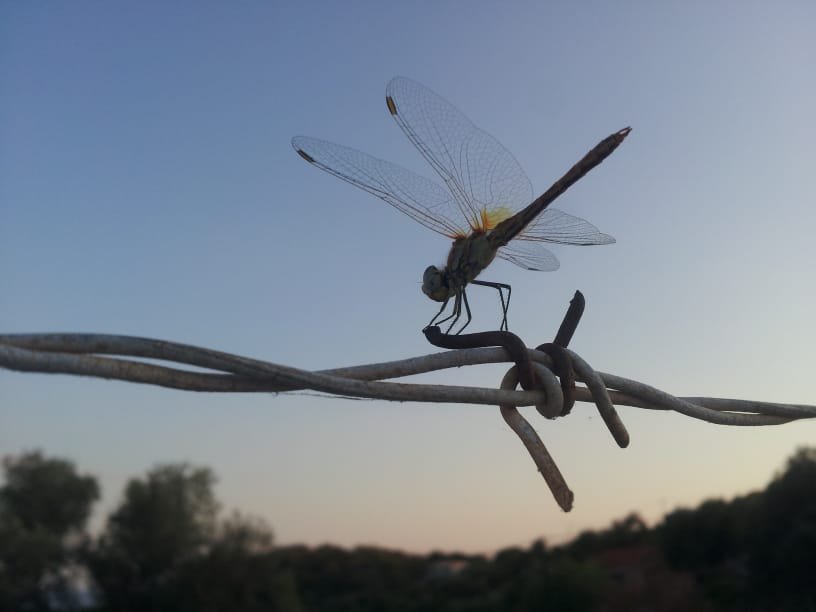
148, 187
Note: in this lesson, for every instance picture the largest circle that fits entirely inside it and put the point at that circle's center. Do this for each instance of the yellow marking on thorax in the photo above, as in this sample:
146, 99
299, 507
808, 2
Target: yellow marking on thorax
491, 218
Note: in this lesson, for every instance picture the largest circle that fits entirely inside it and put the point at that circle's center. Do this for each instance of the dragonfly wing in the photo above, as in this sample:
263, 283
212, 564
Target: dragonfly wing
480, 173
529, 255
418, 197
558, 227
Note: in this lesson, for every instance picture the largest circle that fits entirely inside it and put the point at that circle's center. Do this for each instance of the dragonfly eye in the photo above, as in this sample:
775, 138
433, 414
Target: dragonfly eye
434, 284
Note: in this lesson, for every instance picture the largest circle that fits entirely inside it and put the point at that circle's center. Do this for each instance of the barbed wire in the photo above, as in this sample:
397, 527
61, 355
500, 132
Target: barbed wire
128, 358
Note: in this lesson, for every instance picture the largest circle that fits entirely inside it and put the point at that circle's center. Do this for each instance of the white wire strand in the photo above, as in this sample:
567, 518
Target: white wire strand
82, 354
106, 356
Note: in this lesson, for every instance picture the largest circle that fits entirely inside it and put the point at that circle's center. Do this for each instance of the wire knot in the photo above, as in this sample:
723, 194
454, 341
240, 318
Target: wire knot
533, 376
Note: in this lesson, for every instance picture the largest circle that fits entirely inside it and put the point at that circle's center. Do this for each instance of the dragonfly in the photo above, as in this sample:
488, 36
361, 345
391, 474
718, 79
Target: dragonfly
486, 207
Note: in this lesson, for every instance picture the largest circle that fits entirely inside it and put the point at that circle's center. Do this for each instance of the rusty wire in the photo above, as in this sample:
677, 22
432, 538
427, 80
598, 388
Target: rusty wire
111, 357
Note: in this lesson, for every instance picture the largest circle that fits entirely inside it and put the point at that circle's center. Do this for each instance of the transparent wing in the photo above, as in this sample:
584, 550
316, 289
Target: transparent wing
529, 255
478, 170
480, 173
418, 197
556, 226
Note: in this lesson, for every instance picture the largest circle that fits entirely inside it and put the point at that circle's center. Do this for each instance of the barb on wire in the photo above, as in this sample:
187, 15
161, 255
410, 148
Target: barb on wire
547, 376
535, 376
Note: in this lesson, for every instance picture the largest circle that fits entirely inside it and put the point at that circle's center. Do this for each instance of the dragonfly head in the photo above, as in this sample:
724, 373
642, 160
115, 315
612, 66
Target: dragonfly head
435, 284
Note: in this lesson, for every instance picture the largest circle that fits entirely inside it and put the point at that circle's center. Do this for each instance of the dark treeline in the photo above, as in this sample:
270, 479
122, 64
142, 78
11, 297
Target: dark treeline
167, 547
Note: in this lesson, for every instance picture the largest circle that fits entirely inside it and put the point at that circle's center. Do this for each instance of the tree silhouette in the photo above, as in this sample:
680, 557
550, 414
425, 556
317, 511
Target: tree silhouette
699, 538
44, 505
165, 519
784, 552
164, 549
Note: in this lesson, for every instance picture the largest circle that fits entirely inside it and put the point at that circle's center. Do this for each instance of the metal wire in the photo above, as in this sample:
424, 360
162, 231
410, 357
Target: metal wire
124, 358
104, 356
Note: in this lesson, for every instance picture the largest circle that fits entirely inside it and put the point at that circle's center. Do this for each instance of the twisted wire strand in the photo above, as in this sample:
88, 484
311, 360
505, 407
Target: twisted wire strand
103, 356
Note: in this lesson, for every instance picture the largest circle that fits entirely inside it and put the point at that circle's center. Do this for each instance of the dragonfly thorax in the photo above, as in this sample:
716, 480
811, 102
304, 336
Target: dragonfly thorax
468, 256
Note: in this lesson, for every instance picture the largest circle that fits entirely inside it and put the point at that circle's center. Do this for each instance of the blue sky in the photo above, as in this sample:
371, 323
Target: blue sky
148, 187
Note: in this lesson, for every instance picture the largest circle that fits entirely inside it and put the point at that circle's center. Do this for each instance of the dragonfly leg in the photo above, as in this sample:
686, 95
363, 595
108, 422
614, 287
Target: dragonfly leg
505, 303
453, 315
457, 311
467, 310
438, 314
